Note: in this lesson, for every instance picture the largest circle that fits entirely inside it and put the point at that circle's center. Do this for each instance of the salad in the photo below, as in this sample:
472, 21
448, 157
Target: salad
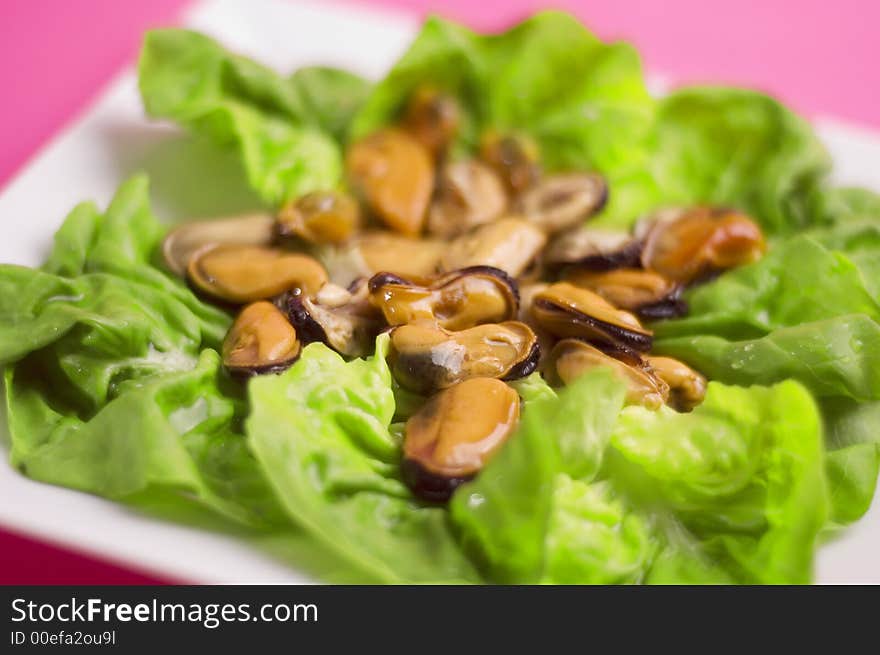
505, 317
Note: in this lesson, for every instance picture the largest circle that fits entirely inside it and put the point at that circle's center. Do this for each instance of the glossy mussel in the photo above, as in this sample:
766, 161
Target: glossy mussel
699, 242
425, 358
592, 249
342, 318
561, 201
648, 294
565, 310
449, 440
572, 358
454, 301
240, 274
261, 340
185, 240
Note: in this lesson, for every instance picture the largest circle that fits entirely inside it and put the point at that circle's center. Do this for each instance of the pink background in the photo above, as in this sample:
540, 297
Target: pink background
820, 56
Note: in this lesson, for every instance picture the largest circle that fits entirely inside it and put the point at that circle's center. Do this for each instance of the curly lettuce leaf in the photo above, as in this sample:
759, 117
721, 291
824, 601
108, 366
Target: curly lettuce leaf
798, 282
321, 433
730, 146
839, 205
834, 357
744, 473
286, 129
859, 239
100, 305
732, 492
99, 336
594, 538
838, 359
182, 439
807, 311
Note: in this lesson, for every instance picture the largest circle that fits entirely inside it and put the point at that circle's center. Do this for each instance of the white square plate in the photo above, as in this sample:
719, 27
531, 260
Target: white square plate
113, 140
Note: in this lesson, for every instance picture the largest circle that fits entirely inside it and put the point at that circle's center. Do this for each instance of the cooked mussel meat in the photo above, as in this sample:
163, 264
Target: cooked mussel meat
561, 201
432, 117
455, 434
701, 241
320, 217
510, 244
514, 157
572, 358
343, 320
648, 294
469, 193
242, 274
395, 175
687, 388
565, 310
425, 358
454, 301
376, 251
593, 249
185, 240
261, 340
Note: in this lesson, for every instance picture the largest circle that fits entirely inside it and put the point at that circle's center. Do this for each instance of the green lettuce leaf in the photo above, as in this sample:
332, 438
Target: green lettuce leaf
859, 240
837, 205
594, 538
99, 336
807, 311
744, 473
734, 491
798, 282
729, 146
839, 361
284, 128
321, 433
182, 440
853, 460
834, 357
105, 311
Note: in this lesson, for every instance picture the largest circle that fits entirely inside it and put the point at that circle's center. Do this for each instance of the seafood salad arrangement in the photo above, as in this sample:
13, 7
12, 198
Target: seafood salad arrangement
504, 317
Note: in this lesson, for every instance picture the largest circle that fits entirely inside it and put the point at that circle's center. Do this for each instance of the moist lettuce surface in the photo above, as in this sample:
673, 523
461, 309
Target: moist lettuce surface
114, 385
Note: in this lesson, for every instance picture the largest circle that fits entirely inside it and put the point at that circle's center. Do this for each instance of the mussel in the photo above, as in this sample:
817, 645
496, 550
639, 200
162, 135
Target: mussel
373, 252
343, 320
687, 388
571, 358
425, 358
261, 340
469, 193
648, 294
395, 174
514, 157
185, 240
510, 244
561, 201
593, 249
320, 217
455, 434
700, 242
242, 274
527, 293
454, 301
565, 310
432, 117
